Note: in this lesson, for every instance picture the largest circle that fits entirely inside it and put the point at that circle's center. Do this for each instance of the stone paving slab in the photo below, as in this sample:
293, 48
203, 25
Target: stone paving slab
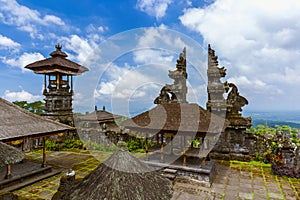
234, 180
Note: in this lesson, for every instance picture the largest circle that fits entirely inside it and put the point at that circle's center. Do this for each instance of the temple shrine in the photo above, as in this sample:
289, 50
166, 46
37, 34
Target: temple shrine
189, 135
58, 84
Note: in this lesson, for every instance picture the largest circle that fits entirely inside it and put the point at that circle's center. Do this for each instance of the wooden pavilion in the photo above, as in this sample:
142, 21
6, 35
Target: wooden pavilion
19, 124
100, 118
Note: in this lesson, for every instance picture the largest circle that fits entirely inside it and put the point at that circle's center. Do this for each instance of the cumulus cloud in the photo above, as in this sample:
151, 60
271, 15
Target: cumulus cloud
84, 50
258, 39
21, 96
156, 8
6, 42
26, 19
23, 60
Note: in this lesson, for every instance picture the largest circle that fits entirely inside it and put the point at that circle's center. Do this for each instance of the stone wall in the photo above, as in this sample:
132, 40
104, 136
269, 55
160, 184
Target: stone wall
234, 144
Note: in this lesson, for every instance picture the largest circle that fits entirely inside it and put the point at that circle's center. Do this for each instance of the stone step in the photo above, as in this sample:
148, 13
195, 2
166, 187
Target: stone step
169, 176
169, 171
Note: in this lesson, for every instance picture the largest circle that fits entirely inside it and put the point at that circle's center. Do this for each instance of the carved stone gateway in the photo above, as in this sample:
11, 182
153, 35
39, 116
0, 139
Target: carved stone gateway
176, 92
234, 143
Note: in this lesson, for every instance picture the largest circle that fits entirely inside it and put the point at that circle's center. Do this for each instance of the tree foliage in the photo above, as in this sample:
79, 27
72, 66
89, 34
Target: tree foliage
36, 107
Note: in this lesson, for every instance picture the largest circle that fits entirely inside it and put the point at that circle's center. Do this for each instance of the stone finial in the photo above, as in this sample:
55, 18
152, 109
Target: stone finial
58, 51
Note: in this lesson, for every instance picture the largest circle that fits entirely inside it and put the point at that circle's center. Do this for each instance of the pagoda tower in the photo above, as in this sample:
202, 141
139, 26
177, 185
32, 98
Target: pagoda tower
215, 88
58, 84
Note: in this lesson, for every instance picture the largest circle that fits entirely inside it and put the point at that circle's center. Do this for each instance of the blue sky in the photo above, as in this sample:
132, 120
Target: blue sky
129, 46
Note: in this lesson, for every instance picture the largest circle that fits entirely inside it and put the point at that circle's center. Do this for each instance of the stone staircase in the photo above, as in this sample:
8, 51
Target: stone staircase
169, 173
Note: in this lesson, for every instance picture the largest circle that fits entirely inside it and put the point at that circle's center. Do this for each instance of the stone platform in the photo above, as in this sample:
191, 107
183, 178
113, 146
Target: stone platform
23, 174
174, 169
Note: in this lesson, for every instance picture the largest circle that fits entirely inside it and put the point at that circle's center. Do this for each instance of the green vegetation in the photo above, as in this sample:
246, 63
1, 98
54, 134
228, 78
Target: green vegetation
266, 130
138, 145
52, 145
36, 107
267, 144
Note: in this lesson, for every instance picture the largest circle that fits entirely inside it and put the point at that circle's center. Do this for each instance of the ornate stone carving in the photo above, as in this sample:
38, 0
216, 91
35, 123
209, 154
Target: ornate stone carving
215, 88
176, 92
235, 101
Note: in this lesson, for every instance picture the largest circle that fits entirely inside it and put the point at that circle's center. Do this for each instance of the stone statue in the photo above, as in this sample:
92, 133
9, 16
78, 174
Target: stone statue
235, 101
165, 96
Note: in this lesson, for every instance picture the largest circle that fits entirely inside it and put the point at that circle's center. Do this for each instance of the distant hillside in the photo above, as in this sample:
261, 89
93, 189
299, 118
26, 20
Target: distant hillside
272, 123
272, 118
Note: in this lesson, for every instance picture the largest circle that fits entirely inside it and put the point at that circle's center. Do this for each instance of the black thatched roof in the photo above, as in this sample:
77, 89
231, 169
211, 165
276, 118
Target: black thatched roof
121, 177
175, 117
57, 63
17, 123
100, 116
9, 154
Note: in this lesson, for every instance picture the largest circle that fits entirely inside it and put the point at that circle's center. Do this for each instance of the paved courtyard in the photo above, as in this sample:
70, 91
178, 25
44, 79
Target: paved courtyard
234, 180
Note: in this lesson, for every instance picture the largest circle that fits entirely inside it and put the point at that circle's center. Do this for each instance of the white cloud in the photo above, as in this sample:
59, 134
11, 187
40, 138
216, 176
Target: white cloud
83, 49
257, 39
23, 60
21, 96
8, 43
156, 8
26, 19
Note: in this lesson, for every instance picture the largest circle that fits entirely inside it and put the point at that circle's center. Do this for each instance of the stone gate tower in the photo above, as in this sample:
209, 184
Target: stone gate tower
58, 84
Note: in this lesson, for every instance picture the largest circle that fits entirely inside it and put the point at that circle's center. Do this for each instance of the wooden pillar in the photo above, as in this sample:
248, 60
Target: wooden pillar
71, 84
184, 152
146, 146
172, 145
44, 152
162, 148
45, 83
8, 171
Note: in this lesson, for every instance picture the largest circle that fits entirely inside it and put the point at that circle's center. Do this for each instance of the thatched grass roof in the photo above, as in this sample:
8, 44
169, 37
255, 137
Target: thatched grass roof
121, 177
57, 63
17, 123
175, 117
100, 116
9, 154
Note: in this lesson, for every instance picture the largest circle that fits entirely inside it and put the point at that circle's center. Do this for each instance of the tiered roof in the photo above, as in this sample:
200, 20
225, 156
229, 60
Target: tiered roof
57, 63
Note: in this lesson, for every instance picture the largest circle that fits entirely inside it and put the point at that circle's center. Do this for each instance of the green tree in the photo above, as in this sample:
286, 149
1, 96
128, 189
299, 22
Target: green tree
36, 107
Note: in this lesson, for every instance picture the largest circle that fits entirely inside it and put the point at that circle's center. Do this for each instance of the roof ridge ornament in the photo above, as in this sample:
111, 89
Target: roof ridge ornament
58, 51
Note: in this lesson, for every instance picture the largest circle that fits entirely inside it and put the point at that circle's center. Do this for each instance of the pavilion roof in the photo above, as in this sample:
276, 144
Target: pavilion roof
177, 117
100, 116
17, 123
57, 63
122, 176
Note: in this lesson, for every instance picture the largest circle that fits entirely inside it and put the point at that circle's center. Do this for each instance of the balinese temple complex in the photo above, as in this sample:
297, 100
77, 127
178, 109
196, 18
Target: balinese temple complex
19, 126
189, 135
58, 84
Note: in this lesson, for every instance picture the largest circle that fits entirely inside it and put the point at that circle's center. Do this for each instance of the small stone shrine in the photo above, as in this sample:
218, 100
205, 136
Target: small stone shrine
58, 84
